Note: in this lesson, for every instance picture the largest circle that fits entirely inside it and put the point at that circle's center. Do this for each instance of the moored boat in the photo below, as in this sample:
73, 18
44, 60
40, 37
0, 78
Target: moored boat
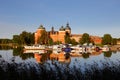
35, 47
105, 48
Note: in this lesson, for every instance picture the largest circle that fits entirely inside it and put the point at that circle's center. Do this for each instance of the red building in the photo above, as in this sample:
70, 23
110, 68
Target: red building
59, 35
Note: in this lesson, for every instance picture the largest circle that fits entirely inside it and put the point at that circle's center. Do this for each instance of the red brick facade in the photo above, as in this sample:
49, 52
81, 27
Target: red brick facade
59, 35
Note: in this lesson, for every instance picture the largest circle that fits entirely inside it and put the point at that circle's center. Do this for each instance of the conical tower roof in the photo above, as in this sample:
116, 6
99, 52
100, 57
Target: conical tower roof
41, 27
67, 27
62, 28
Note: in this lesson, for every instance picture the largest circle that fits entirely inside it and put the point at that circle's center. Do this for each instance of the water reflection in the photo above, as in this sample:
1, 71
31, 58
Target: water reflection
19, 52
41, 57
4, 47
108, 54
16, 65
85, 55
64, 57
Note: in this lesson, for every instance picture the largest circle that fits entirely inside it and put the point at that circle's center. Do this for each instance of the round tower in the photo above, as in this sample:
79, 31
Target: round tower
38, 33
61, 34
40, 29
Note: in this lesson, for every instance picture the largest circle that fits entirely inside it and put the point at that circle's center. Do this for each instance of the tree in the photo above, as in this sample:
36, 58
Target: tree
45, 38
5, 41
67, 38
31, 38
24, 38
73, 41
16, 39
107, 39
114, 41
50, 41
58, 42
85, 38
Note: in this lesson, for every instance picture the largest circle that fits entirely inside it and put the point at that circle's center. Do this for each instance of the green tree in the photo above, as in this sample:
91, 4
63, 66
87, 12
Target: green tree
114, 41
24, 38
43, 37
73, 41
31, 38
67, 38
85, 38
16, 39
50, 41
5, 41
58, 42
107, 39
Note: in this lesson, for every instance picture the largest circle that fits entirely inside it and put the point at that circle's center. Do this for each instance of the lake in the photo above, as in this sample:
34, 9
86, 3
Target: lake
16, 65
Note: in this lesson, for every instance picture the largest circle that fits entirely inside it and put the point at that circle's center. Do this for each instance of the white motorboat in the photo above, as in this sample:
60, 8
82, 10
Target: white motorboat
35, 51
105, 48
35, 47
57, 48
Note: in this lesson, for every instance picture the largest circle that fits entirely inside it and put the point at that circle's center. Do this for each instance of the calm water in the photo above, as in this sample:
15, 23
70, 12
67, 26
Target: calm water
16, 65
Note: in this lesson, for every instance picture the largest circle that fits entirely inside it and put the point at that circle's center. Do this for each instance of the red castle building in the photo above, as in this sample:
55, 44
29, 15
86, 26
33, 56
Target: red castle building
59, 35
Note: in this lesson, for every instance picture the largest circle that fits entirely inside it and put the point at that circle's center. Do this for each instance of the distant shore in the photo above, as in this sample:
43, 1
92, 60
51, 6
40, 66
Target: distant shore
115, 47
112, 47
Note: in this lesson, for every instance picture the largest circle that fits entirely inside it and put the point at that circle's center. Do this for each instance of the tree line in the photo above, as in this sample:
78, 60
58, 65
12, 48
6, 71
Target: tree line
5, 41
24, 38
27, 38
106, 39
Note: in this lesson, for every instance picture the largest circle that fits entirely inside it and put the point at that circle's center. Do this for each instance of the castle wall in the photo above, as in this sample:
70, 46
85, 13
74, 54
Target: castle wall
37, 35
59, 36
54, 37
76, 37
96, 39
68, 31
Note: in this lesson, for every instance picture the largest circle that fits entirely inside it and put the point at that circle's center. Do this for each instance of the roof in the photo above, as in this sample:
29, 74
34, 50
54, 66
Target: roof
62, 28
41, 27
67, 27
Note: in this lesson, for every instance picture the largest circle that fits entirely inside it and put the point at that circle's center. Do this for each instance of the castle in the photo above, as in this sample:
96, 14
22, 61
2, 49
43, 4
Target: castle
59, 35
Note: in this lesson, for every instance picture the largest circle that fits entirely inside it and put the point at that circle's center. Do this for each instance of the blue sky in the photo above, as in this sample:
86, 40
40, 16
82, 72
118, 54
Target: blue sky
96, 17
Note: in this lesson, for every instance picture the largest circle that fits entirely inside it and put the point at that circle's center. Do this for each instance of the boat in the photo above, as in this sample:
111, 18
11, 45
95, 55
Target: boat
57, 48
35, 47
35, 51
105, 48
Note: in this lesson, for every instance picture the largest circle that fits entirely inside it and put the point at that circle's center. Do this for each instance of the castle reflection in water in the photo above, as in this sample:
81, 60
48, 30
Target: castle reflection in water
15, 64
61, 56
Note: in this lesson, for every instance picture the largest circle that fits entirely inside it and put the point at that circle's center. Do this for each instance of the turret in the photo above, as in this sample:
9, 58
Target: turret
41, 27
38, 33
52, 30
67, 28
62, 28
61, 34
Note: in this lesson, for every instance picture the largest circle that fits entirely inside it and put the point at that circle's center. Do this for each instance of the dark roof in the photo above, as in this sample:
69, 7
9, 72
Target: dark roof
62, 28
41, 27
67, 27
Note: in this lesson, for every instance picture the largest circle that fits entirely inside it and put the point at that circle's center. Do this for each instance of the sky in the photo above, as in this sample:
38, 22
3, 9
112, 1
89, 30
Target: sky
95, 17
